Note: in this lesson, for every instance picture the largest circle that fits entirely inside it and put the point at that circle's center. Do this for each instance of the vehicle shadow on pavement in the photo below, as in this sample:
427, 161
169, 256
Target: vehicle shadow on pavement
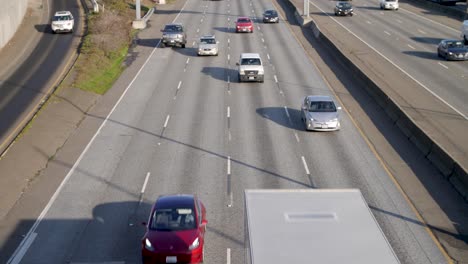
189, 52
153, 42
280, 117
220, 73
423, 54
224, 29
43, 28
119, 222
427, 40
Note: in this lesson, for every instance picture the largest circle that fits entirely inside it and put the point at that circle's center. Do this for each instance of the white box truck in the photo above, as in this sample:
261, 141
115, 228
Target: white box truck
332, 226
464, 32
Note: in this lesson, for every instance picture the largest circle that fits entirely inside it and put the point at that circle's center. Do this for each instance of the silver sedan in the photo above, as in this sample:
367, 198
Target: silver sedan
320, 113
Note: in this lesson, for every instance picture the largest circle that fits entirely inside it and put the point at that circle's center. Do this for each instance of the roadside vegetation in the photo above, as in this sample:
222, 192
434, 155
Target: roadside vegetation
105, 46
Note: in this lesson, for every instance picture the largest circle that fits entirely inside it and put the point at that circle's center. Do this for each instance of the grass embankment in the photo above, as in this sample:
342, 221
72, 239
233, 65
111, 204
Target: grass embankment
105, 46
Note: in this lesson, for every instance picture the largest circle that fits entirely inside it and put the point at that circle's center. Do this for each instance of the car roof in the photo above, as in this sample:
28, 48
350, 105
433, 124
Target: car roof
174, 24
62, 13
319, 98
249, 55
207, 36
175, 200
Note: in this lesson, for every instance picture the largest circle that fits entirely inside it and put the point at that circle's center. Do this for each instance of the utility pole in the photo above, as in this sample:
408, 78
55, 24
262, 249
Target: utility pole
138, 9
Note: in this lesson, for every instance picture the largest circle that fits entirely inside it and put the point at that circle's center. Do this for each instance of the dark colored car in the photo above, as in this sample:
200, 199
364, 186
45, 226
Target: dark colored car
175, 232
244, 24
452, 49
343, 9
173, 35
270, 16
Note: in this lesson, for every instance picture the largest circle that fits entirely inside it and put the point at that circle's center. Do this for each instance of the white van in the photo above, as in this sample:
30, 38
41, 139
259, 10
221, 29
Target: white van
464, 32
389, 4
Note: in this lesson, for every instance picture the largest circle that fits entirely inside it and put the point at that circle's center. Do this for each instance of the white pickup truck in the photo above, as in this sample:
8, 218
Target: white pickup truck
464, 31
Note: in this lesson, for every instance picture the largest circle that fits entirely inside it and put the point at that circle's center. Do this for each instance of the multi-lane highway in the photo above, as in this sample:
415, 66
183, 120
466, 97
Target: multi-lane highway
409, 41
185, 125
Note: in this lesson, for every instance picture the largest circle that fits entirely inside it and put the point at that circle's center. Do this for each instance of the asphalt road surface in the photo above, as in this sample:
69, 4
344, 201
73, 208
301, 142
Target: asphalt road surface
185, 125
25, 84
409, 41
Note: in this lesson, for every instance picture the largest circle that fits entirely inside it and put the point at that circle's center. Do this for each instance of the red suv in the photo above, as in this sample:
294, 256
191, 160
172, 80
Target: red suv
244, 24
176, 231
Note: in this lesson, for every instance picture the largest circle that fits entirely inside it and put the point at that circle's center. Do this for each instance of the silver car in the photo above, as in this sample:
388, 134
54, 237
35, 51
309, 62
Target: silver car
208, 46
320, 113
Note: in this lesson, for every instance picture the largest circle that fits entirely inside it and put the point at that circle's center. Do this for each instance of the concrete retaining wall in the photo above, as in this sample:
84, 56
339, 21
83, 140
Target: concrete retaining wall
11, 16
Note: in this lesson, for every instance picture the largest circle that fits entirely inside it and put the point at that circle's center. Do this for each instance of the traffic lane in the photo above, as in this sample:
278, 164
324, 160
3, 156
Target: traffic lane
104, 155
23, 90
357, 162
396, 51
83, 250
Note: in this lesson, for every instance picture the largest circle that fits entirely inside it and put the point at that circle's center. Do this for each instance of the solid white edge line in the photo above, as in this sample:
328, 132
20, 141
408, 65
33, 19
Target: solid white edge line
305, 165
229, 165
145, 183
167, 120
446, 67
228, 112
70, 172
24, 249
228, 256
52, 199
398, 67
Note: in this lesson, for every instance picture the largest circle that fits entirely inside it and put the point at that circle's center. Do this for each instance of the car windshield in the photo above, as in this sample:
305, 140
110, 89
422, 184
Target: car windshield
344, 5
243, 20
322, 106
208, 40
270, 13
62, 18
455, 44
251, 61
173, 219
173, 28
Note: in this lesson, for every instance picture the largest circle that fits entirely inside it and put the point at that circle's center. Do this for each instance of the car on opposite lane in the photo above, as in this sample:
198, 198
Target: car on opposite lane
320, 113
270, 16
343, 9
175, 232
62, 21
208, 45
173, 35
452, 49
244, 24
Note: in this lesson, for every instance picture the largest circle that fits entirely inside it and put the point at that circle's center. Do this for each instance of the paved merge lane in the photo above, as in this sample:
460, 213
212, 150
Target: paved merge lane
186, 125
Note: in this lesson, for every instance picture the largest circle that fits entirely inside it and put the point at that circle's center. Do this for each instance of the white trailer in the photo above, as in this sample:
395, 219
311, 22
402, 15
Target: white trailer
313, 226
